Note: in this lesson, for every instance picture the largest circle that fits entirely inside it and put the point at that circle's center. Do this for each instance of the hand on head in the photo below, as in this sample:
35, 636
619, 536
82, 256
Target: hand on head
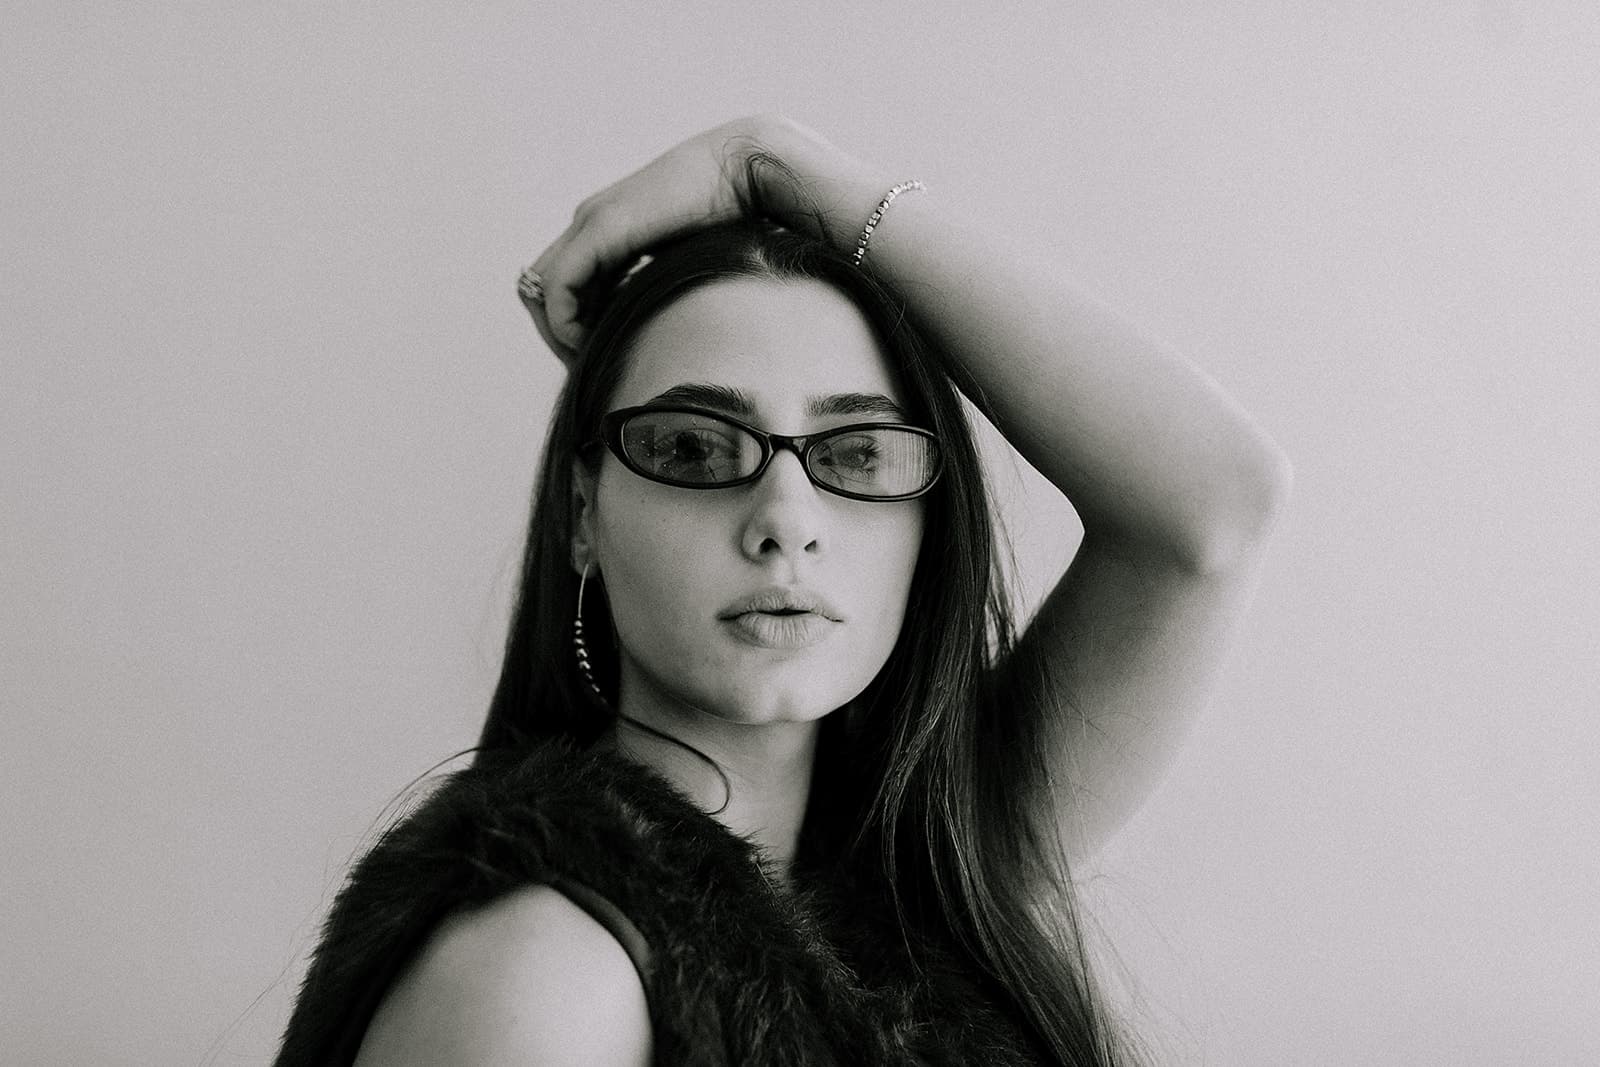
711, 178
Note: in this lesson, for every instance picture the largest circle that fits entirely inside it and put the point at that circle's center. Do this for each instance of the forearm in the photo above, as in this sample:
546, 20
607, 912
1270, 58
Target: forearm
1150, 451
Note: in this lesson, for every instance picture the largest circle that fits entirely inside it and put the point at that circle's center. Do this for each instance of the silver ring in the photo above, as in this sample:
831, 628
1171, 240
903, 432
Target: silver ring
531, 287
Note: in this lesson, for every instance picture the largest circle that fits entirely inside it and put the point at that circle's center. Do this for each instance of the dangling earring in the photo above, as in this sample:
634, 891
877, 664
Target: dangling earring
578, 646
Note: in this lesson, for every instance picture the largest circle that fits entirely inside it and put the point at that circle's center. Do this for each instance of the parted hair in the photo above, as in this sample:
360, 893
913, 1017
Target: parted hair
936, 785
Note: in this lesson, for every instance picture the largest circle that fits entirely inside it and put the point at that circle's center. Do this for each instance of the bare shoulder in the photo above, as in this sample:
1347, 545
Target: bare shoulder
529, 978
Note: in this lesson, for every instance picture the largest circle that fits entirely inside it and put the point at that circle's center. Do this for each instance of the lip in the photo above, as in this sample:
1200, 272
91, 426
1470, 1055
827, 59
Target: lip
780, 598
766, 630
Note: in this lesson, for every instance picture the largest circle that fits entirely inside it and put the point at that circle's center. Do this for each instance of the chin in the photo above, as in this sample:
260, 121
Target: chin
768, 708
750, 693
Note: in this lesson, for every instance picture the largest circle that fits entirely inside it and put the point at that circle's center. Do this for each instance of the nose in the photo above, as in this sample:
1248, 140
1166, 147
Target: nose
786, 514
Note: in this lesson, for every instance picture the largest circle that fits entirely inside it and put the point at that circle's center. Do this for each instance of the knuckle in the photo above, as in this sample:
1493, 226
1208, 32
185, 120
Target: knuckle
599, 212
592, 205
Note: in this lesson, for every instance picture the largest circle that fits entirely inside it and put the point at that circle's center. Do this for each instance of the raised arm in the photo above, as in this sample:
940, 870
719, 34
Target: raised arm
1176, 486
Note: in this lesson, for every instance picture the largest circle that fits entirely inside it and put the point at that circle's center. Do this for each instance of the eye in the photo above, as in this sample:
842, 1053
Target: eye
690, 447
687, 448
857, 453
877, 461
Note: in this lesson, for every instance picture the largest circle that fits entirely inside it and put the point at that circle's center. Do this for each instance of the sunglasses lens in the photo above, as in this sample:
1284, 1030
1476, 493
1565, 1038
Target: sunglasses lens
684, 448
878, 462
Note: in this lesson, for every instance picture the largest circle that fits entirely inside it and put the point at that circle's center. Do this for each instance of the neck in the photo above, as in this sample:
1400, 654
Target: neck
768, 768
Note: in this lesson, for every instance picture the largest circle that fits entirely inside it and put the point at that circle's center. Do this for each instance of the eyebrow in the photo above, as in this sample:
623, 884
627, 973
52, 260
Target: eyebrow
738, 402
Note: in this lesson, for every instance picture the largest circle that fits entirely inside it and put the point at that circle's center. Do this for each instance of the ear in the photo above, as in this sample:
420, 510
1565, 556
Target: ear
583, 517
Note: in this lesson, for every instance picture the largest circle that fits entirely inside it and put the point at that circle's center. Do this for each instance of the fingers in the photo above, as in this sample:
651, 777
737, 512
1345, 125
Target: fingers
695, 184
566, 274
566, 355
556, 315
534, 303
577, 271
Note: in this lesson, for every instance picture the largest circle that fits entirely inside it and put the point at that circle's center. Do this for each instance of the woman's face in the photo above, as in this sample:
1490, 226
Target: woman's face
678, 562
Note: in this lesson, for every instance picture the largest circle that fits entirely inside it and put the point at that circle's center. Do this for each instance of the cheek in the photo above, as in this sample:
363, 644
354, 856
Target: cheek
652, 554
884, 558
900, 538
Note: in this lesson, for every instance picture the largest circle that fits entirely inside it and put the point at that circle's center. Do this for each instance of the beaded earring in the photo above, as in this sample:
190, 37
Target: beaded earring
579, 647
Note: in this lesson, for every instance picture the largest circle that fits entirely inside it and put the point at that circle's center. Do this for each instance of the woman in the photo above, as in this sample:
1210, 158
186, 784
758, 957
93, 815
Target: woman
768, 777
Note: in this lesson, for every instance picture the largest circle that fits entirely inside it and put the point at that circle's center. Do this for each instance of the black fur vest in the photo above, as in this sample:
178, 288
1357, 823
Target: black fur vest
741, 973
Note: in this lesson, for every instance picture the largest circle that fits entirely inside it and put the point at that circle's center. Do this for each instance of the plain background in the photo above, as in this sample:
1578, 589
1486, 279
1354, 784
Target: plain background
269, 413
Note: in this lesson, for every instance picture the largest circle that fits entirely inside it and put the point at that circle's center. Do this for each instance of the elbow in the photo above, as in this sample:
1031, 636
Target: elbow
1233, 531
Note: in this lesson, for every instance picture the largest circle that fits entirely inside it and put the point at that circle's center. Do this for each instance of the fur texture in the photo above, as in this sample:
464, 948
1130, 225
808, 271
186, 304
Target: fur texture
743, 974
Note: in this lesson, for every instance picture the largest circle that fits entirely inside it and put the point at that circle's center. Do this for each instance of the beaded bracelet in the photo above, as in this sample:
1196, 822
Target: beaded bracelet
877, 217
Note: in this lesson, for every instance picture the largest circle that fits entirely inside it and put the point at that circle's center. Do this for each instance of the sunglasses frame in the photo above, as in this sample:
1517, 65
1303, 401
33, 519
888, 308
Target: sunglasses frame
801, 445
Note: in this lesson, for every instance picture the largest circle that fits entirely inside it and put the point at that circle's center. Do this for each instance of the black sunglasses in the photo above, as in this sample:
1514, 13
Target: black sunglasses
697, 449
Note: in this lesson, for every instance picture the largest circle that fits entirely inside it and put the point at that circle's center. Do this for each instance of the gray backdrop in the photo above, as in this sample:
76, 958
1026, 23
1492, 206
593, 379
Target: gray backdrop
269, 411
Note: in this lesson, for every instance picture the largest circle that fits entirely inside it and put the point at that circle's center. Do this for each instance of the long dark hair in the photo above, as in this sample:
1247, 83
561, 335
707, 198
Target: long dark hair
934, 783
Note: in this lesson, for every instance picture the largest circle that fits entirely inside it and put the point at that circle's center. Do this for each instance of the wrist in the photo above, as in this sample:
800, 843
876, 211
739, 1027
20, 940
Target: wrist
864, 239
818, 185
